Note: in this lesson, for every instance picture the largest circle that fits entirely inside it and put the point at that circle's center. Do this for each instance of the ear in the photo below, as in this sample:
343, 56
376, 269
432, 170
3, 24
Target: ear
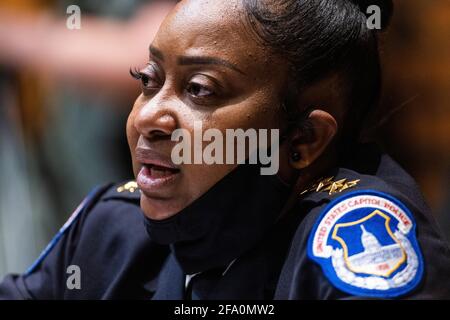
311, 141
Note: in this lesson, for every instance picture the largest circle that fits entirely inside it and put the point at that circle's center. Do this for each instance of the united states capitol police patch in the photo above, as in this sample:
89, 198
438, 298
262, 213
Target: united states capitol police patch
365, 242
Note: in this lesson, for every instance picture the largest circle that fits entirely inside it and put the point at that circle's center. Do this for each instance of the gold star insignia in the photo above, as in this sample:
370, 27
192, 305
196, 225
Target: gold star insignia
331, 186
323, 184
129, 186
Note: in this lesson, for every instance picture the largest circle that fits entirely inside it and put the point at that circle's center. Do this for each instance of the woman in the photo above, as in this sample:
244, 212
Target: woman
338, 220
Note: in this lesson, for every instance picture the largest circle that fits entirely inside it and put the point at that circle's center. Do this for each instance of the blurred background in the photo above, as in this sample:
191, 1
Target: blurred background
65, 95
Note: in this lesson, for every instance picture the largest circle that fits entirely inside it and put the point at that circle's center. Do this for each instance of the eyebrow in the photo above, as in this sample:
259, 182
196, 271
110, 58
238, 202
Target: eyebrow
193, 60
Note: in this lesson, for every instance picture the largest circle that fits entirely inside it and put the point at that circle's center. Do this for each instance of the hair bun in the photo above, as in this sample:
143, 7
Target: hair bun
386, 7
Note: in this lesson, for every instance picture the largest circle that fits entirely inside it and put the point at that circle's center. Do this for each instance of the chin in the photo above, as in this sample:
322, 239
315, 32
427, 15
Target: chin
159, 209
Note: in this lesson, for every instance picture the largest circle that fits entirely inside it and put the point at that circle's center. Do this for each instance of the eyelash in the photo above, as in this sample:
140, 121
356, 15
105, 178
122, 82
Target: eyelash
135, 73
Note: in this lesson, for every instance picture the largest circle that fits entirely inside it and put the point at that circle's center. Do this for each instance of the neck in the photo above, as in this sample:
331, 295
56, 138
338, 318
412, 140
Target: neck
224, 223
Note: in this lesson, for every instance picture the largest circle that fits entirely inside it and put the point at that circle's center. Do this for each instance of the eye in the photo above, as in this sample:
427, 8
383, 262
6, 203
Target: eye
147, 82
202, 86
148, 77
198, 90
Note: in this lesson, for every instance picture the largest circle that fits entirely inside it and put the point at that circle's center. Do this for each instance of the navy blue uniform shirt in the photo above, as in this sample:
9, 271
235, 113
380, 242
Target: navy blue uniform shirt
363, 232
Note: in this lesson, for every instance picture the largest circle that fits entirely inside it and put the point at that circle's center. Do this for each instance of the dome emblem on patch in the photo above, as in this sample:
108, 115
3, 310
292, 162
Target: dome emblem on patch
365, 243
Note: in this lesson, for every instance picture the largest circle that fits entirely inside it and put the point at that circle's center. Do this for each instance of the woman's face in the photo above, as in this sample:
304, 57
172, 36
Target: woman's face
205, 65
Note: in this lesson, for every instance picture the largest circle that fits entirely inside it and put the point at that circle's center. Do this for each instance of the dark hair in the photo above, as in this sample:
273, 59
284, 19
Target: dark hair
322, 37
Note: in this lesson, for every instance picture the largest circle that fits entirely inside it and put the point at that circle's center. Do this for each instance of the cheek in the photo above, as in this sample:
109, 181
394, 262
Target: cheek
257, 112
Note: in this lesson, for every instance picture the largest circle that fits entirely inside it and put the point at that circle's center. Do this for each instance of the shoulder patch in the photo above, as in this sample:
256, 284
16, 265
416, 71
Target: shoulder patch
365, 243
73, 217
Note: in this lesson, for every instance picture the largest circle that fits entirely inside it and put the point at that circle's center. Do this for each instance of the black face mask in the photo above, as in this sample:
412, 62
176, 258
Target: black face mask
229, 219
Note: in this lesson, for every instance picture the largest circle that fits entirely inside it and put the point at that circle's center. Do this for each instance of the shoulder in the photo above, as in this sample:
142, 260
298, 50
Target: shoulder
107, 212
105, 239
365, 236
114, 203
114, 213
111, 207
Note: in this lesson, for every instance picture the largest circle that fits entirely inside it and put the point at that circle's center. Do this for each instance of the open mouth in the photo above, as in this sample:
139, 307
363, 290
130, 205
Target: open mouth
155, 180
159, 172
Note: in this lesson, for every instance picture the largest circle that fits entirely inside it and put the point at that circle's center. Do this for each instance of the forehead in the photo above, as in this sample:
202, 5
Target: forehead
196, 22
212, 27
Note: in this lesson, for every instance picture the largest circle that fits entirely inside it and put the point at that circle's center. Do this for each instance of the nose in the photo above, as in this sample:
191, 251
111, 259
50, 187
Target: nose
154, 120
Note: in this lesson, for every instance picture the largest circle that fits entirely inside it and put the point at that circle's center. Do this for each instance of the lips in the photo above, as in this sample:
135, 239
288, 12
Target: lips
157, 174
